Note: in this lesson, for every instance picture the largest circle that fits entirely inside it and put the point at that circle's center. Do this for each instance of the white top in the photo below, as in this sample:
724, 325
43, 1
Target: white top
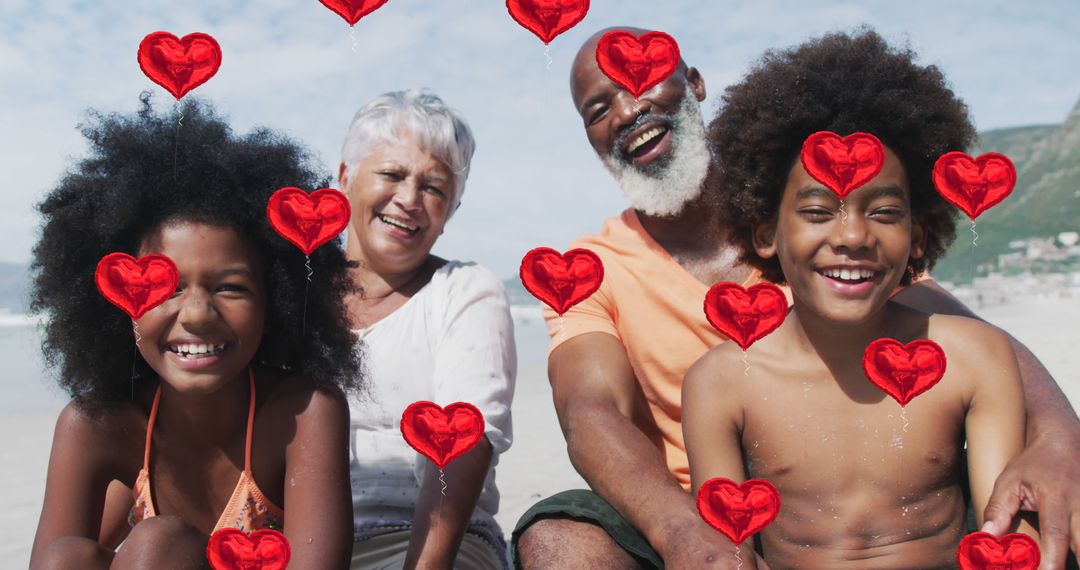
453, 341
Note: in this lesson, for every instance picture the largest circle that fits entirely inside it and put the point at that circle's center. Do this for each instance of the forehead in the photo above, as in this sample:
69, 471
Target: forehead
406, 148
187, 242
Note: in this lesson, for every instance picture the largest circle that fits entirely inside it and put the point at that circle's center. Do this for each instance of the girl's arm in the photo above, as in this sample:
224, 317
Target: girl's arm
995, 418
318, 498
712, 425
82, 463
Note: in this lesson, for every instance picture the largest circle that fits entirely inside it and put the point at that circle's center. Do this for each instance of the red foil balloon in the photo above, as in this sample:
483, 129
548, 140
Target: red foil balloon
561, 280
738, 511
974, 185
745, 315
233, 549
308, 220
904, 371
984, 551
442, 434
136, 285
353, 10
179, 64
637, 63
842, 164
547, 18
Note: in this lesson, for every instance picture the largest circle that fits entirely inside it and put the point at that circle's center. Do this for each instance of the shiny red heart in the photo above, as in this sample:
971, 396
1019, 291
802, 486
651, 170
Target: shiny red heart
738, 511
974, 185
442, 434
233, 549
842, 164
179, 64
561, 280
984, 551
308, 220
547, 18
637, 63
136, 285
745, 315
353, 10
904, 371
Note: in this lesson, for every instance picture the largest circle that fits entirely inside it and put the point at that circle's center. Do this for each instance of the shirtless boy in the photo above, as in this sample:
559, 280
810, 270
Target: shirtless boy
863, 483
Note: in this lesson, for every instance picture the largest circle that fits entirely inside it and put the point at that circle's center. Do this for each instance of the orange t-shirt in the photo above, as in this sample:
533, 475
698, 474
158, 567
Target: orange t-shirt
655, 308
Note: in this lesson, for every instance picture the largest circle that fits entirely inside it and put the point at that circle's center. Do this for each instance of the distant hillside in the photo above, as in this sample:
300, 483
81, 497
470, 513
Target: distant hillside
1046, 200
14, 287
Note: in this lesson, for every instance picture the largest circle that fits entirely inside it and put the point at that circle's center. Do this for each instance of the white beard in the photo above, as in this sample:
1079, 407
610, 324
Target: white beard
673, 185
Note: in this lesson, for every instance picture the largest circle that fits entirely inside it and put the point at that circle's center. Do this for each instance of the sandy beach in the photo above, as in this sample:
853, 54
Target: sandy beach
536, 465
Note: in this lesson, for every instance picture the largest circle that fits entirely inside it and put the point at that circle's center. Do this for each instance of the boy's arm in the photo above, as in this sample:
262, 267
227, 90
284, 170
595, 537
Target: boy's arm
712, 417
596, 394
995, 419
318, 497
1043, 476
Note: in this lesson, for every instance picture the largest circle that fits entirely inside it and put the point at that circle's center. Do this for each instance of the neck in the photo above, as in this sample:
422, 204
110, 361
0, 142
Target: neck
210, 419
840, 346
378, 282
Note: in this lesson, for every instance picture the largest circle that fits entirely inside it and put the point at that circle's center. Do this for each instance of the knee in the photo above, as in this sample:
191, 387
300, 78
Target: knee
566, 543
163, 542
72, 552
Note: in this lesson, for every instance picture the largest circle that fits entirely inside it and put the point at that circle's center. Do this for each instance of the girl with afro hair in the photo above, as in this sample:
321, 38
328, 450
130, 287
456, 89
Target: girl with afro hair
234, 406
864, 482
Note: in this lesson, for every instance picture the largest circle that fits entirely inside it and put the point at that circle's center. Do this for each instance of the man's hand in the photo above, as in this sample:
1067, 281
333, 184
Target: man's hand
1045, 477
697, 545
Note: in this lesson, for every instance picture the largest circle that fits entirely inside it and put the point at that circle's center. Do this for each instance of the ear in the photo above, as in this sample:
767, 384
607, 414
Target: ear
341, 177
919, 237
696, 83
764, 238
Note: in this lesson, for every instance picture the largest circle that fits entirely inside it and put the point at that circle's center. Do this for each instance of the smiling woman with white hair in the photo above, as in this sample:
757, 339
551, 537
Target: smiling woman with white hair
432, 330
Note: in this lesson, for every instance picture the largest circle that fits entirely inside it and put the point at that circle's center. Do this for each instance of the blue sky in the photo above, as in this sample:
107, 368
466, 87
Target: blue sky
295, 66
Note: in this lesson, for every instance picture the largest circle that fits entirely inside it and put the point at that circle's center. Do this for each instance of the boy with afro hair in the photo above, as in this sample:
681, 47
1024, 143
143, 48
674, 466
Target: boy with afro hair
884, 485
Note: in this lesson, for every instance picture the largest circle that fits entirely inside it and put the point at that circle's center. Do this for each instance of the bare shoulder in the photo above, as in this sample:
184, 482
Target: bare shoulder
105, 442
714, 369
297, 397
968, 338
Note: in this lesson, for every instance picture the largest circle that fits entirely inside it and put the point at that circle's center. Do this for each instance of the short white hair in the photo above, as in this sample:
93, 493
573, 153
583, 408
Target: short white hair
440, 130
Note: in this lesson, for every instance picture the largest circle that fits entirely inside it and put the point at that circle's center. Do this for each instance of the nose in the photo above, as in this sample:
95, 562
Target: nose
627, 109
196, 309
408, 196
851, 231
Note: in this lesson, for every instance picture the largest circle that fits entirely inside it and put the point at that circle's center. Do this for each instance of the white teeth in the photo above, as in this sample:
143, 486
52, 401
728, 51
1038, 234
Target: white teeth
398, 224
644, 138
848, 274
845, 275
197, 349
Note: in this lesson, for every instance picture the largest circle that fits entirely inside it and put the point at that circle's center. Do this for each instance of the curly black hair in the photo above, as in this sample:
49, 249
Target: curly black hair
840, 83
144, 171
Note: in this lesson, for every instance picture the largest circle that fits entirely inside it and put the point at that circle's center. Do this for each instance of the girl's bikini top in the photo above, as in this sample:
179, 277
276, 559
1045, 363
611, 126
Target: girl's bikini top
248, 509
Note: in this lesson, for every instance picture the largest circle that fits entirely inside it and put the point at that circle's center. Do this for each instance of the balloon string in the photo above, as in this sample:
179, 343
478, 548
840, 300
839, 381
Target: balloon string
746, 364
903, 416
547, 54
738, 557
310, 272
134, 355
843, 213
352, 37
975, 235
442, 481
176, 146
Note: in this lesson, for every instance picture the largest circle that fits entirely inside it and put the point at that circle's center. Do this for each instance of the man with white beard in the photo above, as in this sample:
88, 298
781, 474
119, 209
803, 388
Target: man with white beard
617, 360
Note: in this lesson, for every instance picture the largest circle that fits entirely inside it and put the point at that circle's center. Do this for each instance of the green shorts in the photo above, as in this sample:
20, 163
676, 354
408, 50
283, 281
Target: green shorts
587, 506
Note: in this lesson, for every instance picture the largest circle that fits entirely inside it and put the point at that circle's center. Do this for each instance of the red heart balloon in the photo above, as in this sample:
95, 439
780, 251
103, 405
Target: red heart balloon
738, 511
353, 10
904, 371
308, 220
561, 280
233, 549
136, 285
442, 434
547, 18
179, 64
974, 185
636, 63
745, 315
984, 551
842, 164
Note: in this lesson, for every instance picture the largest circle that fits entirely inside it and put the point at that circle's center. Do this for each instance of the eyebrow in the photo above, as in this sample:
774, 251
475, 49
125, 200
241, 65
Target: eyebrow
241, 271
891, 191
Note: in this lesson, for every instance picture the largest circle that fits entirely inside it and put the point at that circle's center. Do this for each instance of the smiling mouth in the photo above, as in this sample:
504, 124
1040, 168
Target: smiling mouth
195, 351
399, 224
646, 141
849, 276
